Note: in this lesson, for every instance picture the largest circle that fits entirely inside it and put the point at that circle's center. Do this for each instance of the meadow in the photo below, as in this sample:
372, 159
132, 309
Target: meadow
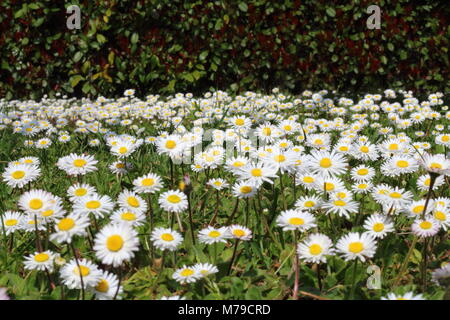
254, 196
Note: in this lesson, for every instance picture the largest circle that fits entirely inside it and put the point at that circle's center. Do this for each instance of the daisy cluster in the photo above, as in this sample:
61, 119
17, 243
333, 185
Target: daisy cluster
341, 174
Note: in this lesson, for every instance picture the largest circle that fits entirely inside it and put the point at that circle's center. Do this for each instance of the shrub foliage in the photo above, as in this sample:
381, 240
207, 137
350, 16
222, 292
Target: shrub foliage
178, 45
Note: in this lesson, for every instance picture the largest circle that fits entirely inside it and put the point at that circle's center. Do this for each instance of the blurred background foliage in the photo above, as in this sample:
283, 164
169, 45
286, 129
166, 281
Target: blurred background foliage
163, 46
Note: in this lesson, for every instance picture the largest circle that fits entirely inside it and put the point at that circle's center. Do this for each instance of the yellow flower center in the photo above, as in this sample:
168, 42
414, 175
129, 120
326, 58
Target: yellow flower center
393, 147
11, 222
80, 192
340, 203
435, 165
114, 243
187, 272
402, 164
79, 163
170, 144
102, 286
356, 247
173, 198
132, 201
315, 249
364, 149
426, 225
120, 165
66, 224
427, 182
439, 215
85, 271
280, 158
395, 195
309, 204
47, 213
239, 233
325, 163
240, 122
287, 128
238, 164
246, 189
123, 150
362, 172
36, 204
128, 216
378, 227
329, 186
445, 138
308, 179
148, 182
167, 237
93, 204
343, 148
214, 234
19, 174
418, 209
267, 131
318, 141
41, 257
296, 221
256, 172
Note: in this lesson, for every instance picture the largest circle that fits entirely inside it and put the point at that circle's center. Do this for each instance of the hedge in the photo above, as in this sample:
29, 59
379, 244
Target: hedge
171, 45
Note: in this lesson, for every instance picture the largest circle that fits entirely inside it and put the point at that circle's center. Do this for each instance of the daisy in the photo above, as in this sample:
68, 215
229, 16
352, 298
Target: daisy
315, 248
130, 201
441, 215
18, 175
217, 184
116, 243
70, 226
75, 165
131, 218
296, 220
31, 222
436, 163
35, 201
236, 164
43, 143
362, 187
11, 221
378, 226
171, 145
407, 296
398, 165
306, 180
327, 164
40, 261
442, 275
166, 239
205, 269
356, 246
364, 151
149, 183
362, 173
80, 190
106, 288
173, 201
267, 132
427, 227
96, 204
308, 203
186, 275
71, 274
244, 189
424, 181
340, 206
120, 167
240, 232
123, 148
257, 174
210, 235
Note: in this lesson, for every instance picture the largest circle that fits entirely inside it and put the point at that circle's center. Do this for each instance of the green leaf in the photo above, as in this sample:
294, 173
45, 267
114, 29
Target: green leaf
243, 6
77, 57
331, 12
75, 80
134, 38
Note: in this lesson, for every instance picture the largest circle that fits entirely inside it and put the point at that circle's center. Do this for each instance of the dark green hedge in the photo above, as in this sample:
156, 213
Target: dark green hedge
172, 45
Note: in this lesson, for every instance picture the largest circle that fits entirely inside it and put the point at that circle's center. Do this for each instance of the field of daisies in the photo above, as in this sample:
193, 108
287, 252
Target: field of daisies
256, 196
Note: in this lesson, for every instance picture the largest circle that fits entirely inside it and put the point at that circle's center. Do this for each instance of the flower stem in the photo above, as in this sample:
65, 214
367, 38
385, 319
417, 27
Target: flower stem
233, 257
